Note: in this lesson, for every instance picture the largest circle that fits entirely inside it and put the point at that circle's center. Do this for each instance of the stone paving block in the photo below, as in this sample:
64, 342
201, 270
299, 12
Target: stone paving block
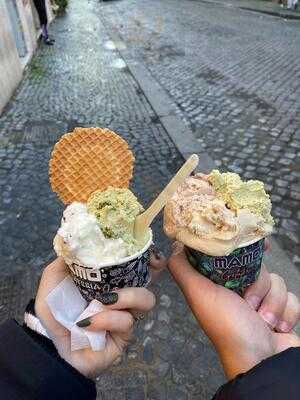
232, 77
229, 88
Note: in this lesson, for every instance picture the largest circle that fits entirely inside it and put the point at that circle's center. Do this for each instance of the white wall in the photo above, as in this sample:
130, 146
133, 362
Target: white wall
11, 65
29, 29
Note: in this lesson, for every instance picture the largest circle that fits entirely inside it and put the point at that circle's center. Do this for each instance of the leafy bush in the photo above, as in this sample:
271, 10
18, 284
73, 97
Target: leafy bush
61, 4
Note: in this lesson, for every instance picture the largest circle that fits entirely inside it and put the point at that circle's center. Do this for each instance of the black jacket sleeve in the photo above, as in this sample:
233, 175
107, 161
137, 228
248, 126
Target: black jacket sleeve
275, 378
31, 368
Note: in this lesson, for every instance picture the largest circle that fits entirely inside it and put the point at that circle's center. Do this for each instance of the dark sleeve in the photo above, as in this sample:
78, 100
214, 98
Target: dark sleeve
30, 368
275, 378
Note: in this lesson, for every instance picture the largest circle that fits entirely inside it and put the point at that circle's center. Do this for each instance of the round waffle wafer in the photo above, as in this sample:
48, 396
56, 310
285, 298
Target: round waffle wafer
89, 159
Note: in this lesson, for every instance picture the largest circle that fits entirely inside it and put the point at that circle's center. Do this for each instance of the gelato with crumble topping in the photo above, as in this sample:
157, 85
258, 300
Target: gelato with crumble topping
218, 213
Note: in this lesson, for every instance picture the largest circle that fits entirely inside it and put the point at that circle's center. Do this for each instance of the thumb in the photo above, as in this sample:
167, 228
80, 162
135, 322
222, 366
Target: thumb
213, 305
198, 290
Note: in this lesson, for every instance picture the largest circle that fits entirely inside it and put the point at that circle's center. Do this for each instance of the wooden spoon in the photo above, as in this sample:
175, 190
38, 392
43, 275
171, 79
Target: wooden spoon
143, 221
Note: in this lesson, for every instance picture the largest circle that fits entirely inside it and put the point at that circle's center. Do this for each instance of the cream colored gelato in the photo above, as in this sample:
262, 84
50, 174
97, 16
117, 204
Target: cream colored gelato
80, 239
198, 216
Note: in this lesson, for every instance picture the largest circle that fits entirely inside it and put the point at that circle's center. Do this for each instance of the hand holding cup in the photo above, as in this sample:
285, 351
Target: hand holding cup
117, 319
244, 330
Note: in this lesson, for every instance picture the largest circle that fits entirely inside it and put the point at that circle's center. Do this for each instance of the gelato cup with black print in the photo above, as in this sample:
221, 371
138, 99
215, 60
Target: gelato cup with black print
236, 271
127, 272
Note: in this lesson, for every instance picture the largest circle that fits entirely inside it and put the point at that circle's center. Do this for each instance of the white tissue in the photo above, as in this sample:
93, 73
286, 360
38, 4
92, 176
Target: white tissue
68, 307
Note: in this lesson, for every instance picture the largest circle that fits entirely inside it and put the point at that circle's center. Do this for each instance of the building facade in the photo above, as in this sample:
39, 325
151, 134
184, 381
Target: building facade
19, 33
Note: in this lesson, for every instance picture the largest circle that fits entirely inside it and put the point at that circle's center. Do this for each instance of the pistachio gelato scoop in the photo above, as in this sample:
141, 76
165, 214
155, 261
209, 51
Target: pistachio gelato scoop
238, 194
116, 210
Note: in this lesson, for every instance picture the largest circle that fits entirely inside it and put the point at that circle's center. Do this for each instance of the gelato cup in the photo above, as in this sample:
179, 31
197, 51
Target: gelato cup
128, 272
222, 220
235, 271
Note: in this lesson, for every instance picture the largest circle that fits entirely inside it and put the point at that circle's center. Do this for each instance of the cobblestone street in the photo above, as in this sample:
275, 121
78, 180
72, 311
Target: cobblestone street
62, 90
231, 75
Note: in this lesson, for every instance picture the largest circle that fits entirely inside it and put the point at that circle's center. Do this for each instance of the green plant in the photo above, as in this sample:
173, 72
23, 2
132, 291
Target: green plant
61, 4
35, 68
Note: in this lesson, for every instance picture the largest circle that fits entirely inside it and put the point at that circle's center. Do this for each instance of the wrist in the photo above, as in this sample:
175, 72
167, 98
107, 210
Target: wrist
238, 362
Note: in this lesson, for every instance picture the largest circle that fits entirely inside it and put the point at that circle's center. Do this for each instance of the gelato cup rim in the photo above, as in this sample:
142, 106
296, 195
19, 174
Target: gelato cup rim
250, 242
246, 244
129, 258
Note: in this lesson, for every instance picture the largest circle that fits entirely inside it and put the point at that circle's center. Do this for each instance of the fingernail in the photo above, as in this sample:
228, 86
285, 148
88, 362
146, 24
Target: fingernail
253, 301
270, 318
284, 326
84, 322
109, 298
177, 248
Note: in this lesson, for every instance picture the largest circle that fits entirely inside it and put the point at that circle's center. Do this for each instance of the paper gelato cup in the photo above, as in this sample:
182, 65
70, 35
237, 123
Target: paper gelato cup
236, 271
128, 272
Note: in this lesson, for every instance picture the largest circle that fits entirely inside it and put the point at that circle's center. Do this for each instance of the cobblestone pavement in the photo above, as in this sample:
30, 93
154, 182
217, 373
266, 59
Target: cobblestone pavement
82, 81
262, 6
233, 76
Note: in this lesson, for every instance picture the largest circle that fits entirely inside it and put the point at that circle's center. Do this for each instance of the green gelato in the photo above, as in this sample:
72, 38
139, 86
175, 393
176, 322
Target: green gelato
116, 210
238, 194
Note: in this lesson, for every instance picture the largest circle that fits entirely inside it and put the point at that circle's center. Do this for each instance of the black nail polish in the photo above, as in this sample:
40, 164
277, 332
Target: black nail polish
84, 322
109, 298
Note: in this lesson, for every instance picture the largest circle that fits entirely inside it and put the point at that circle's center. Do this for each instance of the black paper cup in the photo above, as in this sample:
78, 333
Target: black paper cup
236, 271
129, 272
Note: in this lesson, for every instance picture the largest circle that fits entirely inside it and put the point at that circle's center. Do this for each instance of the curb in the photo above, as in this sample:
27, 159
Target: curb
187, 144
159, 100
272, 13
260, 11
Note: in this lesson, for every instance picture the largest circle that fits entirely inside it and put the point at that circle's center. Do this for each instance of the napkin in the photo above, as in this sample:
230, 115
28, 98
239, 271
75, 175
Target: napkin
68, 307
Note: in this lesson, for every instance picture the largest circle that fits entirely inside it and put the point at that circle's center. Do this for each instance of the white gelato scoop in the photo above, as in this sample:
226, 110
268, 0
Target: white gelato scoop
80, 239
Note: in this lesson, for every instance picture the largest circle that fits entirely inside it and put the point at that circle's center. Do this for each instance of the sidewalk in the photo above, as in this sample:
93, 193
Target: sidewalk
260, 6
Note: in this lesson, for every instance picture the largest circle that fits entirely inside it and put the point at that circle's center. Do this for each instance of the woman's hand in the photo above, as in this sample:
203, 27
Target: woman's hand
245, 330
115, 319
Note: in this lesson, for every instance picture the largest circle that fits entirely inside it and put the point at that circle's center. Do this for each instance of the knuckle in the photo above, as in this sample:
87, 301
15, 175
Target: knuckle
130, 321
274, 276
152, 300
128, 296
277, 279
131, 296
281, 280
294, 301
293, 298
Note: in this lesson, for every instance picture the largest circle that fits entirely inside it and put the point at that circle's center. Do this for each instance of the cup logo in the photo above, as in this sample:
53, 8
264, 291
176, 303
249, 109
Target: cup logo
235, 271
93, 282
237, 261
92, 275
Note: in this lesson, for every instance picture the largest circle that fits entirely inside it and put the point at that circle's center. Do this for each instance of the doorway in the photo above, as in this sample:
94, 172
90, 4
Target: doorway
16, 25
